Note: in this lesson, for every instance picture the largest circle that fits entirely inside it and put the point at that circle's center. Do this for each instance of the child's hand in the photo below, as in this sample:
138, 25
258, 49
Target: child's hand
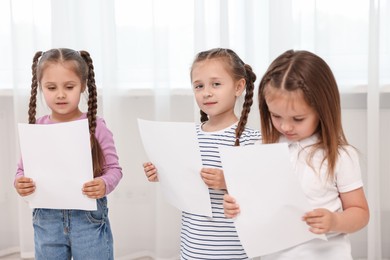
213, 178
95, 189
230, 207
24, 186
150, 171
320, 220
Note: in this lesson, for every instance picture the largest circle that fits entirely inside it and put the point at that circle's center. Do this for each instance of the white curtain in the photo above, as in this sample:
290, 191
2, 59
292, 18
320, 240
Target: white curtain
142, 52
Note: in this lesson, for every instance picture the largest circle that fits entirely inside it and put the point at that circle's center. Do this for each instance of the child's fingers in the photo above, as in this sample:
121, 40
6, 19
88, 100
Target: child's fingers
313, 214
94, 189
211, 171
96, 185
229, 199
148, 166
231, 211
24, 186
26, 192
150, 171
230, 205
153, 177
317, 231
230, 215
94, 194
24, 181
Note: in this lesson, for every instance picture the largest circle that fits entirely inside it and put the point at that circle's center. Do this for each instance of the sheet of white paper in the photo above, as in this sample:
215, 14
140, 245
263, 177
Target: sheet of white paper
272, 203
173, 148
58, 158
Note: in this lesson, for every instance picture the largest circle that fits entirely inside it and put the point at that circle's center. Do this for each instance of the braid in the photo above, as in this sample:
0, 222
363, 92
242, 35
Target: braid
238, 70
203, 117
34, 89
97, 153
250, 80
92, 93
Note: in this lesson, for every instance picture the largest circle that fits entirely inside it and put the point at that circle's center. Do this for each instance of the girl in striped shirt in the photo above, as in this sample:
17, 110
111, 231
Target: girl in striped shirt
218, 77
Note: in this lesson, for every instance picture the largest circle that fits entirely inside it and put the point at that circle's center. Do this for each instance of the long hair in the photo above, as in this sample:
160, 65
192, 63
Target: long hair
83, 67
238, 70
305, 71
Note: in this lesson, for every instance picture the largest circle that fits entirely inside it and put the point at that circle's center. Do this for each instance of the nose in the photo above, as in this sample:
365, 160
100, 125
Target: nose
207, 92
61, 94
286, 127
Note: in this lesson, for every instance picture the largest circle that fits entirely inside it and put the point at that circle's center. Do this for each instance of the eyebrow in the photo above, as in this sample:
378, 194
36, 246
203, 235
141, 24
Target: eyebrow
302, 115
212, 78
66, 82
197, 82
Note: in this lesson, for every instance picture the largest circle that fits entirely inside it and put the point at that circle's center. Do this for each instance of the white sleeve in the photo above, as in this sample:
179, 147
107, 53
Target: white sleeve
348, 173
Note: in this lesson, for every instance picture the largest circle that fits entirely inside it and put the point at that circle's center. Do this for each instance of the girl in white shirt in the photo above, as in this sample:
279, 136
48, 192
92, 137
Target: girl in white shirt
299, 103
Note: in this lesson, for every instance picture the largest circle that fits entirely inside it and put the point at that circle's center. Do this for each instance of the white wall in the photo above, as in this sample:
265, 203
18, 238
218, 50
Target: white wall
8, 200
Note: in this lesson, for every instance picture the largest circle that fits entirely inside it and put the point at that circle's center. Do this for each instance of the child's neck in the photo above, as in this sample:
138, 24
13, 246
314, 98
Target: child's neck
214, 124
60, 118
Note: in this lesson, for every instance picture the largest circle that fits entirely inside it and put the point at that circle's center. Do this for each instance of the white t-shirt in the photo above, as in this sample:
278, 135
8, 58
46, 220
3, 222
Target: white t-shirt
322, 192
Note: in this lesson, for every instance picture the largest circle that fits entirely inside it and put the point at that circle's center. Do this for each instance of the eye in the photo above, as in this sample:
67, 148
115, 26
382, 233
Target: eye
51, 87
198, 86
70, 87
216, 84
275, 116
298, 119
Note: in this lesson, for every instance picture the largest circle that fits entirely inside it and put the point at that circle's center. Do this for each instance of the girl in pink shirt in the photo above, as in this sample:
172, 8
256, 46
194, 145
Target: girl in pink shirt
63, 75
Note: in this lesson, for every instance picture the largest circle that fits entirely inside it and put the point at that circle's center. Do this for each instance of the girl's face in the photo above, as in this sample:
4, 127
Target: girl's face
215, 90
290, 114
61, 89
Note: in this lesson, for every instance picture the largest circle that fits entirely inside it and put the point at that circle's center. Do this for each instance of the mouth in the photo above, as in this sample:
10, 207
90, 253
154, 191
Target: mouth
209, 103
289, 136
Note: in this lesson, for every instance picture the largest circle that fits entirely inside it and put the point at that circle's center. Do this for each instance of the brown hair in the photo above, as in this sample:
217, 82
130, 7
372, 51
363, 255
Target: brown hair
83, 67
238, 70
305, 71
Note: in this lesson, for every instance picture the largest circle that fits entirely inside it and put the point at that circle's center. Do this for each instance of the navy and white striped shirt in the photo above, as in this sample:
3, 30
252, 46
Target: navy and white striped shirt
214, 238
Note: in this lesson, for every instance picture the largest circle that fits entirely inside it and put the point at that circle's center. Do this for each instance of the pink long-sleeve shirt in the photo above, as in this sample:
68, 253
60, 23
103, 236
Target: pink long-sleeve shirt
112, 172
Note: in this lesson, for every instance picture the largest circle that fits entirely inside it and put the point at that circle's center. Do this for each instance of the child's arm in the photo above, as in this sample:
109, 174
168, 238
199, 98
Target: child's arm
230, 207
112, 171
150, 171
355, 215
24, 186
213, 178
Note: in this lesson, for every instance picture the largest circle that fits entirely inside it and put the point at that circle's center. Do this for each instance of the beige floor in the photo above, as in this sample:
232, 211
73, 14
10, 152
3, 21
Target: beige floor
14, 257
17, 257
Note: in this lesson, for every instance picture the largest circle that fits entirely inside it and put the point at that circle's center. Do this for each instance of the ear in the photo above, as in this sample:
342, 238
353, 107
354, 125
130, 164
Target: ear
240, 87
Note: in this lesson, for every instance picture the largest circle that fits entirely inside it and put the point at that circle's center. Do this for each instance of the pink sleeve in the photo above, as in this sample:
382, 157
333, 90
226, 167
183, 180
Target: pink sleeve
19, 171
112, 172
